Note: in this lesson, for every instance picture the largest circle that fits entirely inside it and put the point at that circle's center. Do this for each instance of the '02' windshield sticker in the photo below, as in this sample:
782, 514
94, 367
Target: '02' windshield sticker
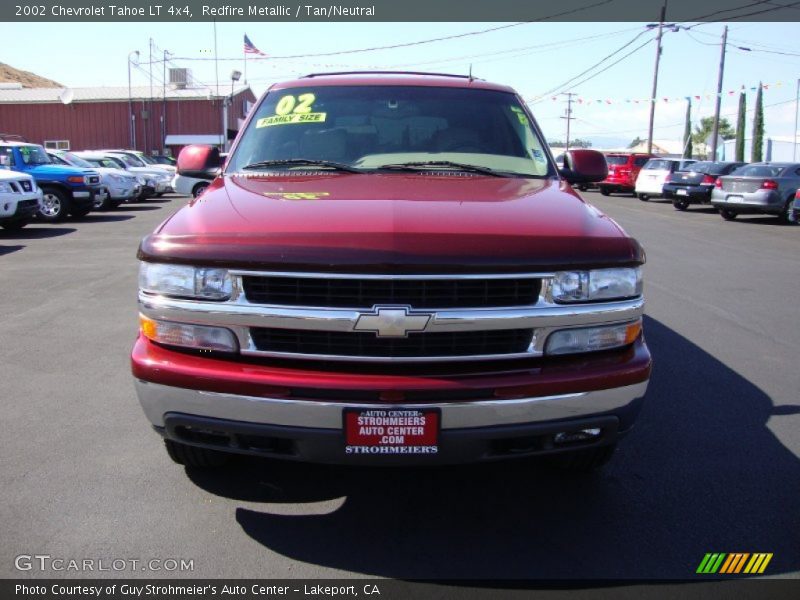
293, 109
297, 195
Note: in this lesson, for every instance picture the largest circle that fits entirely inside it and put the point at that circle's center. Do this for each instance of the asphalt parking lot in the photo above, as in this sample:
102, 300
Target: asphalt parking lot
713, 465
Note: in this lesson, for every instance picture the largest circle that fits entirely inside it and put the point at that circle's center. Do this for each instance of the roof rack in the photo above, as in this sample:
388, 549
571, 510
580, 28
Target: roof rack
12, 137
470, 77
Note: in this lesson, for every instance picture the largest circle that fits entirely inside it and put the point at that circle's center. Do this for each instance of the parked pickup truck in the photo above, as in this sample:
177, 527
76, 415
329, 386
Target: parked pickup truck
19, 199
66, 189
390, 269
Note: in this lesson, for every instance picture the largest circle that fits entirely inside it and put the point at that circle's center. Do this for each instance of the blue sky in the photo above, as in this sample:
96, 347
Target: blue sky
533, 58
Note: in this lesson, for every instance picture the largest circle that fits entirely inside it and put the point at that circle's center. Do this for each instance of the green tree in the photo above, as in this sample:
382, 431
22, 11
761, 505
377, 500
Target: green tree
636, 141
740, 125
703, 131
687, 131
758, 128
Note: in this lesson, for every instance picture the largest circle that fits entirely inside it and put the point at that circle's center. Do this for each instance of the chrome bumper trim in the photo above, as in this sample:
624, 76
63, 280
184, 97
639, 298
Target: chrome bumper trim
157, 400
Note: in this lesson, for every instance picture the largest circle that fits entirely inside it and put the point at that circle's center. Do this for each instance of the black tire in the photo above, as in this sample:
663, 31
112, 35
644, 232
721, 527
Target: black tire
15, 225
105, 204
727, 214
199, 188
643, 197
583, 187
786, 217
192, 456
159, 194
605, 192
583, 460
680, 204
56, 205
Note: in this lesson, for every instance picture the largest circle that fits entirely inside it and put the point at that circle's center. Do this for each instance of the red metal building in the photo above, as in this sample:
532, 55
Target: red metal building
108, 117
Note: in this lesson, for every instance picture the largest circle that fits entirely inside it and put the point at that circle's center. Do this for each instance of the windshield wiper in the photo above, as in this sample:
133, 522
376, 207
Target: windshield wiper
416, 166
288, 162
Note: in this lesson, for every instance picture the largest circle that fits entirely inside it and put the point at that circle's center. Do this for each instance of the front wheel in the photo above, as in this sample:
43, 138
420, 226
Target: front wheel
680, 204
198, 189
55, 205
643, 197
192, 456
728, 215
605, 192
787, 215
586, 460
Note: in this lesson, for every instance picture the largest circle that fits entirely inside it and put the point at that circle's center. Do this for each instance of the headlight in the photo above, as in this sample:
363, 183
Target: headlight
184, 281
151, 183
592, 339
599, 284
116, 178
141, 180
186, 335
5, 188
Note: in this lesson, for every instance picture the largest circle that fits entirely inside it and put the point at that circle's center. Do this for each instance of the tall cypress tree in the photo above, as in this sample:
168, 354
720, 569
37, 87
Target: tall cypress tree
687, 131
740, 125
758, 128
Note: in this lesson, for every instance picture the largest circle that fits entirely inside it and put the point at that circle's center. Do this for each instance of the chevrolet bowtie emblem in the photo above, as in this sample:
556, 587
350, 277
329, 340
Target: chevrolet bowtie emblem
392, 322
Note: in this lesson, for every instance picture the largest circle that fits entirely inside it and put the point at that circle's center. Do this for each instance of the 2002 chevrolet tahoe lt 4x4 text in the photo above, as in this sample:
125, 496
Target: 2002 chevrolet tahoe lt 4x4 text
390, 269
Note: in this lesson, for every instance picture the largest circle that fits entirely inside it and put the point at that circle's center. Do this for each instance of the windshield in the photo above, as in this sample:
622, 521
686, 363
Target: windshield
34, 155
76, 161
367, 127
658, 164
616, 159
758, 171
128, 160
146, 159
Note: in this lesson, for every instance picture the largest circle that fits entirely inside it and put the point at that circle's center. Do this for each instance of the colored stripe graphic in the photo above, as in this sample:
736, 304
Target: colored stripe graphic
711, 563
733, 563
758, 563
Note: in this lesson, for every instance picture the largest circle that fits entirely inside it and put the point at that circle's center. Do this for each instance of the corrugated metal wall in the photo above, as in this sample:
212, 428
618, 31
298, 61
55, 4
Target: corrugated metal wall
91, 125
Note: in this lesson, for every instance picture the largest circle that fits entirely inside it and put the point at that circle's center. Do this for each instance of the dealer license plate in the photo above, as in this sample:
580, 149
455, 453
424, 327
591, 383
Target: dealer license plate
682, 192
391, 431
735, 199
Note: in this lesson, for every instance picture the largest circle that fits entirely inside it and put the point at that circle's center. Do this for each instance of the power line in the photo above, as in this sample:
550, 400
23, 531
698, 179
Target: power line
596, 4
567, 83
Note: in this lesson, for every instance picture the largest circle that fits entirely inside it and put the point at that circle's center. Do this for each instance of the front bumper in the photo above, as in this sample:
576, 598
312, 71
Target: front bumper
510, 411
21, 206
84, 197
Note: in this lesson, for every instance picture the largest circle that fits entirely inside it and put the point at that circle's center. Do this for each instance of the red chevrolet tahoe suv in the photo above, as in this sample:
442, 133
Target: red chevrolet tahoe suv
390, 269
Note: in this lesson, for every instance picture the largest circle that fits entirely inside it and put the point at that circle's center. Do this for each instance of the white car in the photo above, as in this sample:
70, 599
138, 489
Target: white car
189, 186
653, 176
118, 185
142, 160
157, 182
20, 199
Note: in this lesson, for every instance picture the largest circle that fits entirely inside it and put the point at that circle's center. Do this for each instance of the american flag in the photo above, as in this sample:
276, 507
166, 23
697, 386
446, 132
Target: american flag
249, 48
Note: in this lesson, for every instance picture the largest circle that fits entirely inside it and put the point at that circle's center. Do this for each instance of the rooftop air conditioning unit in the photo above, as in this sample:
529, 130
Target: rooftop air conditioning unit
179, 78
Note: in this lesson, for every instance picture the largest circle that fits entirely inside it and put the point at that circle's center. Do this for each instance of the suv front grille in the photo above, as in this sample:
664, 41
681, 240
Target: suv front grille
367, 344
366, 293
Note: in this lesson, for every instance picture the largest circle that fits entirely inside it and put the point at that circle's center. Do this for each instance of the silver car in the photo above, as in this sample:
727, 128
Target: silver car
765, 188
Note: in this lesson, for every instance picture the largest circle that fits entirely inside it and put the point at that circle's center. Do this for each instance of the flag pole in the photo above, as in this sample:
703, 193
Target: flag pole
245, 63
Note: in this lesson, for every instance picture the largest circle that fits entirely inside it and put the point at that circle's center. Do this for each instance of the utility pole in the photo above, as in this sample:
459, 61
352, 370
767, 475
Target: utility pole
568, 114
715, 130
655, 78
164, 105
796, 112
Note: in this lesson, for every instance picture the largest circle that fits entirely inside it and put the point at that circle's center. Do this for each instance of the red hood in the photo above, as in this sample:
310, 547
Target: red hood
391, 223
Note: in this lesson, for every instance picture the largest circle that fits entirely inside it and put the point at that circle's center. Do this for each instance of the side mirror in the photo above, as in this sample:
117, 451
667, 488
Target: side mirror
200, 162
584, 166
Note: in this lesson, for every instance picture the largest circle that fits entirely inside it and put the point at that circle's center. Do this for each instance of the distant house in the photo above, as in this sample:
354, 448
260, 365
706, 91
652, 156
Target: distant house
154, 120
